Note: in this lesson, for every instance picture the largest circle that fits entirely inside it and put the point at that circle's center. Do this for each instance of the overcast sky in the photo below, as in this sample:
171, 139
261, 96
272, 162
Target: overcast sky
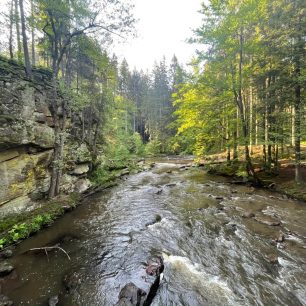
163, 27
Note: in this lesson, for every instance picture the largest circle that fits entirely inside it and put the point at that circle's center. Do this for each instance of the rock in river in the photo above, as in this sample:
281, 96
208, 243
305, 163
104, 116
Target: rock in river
7, 253
248, 214
5, 268
53, 301
131, 295
280, 237
267, 220
5, 301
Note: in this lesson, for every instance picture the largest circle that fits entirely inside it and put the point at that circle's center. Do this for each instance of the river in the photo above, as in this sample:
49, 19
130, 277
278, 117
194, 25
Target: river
212, 255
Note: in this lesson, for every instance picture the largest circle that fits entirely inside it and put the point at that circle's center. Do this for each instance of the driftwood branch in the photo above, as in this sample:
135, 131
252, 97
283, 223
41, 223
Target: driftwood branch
51, 248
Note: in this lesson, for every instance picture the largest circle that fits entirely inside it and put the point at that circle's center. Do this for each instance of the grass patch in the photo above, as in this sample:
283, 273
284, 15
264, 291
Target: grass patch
17, 227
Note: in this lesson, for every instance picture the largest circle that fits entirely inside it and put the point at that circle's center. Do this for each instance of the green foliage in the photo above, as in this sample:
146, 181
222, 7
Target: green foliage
24, 230
154, 147
135, 145
21, 226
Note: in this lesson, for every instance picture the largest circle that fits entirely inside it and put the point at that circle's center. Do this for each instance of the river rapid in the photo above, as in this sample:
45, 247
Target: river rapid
212, 254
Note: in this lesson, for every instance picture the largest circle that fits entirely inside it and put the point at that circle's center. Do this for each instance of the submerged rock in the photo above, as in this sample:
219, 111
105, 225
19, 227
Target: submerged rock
5, 301
219, 198
53, 301
5, 268
7, 253
248, 214
268, 220
72, 281
159, 191
273, 259
171, 185
156, 219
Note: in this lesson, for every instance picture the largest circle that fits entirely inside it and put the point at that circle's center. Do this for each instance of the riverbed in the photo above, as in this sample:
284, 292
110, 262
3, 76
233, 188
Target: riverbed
216, 239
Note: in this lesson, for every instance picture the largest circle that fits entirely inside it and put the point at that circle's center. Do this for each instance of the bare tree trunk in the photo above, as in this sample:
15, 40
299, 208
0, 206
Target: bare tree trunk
17, 19
256, 120
292, 126
25, 41
33, 34
228, 146
11, 30
235, 136
297, 144
251, 120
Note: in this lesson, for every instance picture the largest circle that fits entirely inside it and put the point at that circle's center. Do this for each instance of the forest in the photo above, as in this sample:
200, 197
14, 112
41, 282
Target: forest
245, 91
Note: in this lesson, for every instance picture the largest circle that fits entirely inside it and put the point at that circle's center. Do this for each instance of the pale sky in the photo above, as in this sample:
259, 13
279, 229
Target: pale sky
163, 27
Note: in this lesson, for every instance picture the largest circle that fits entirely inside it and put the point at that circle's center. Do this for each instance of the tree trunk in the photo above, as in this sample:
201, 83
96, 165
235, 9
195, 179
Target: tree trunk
19, 52
25, 41
251, 120
292, 126
299, 51
297, 145
11, 31
33, 33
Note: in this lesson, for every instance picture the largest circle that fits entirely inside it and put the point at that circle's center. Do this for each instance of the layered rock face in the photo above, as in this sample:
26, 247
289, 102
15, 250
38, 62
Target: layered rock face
27, 139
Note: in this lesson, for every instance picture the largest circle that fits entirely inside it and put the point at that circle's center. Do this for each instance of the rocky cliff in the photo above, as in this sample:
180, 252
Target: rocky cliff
27, 139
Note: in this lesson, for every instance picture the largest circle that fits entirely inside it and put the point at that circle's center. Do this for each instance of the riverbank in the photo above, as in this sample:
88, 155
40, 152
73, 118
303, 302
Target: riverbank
281, 182
17, 227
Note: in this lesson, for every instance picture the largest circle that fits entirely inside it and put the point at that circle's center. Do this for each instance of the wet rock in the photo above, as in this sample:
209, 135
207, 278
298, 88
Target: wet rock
273, 243
159, 191
171, 185
280, 237
234, 191
219, 207
169, 171
53, 301
7, 253
155, 266
273, 259
156, 220
5, 268
248, 215
272, 185
281, 245
251, 190
5, 301
131, 295
231, 226
219, 198
268, 220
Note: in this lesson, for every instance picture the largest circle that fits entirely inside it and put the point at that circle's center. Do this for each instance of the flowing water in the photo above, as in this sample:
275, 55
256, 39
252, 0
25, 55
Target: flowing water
212, 255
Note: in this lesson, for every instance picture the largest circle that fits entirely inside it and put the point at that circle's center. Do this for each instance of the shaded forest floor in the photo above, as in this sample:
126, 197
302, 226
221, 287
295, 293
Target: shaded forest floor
282, 180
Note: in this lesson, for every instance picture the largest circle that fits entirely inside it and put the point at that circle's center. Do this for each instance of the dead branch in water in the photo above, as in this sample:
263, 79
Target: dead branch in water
51, 248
